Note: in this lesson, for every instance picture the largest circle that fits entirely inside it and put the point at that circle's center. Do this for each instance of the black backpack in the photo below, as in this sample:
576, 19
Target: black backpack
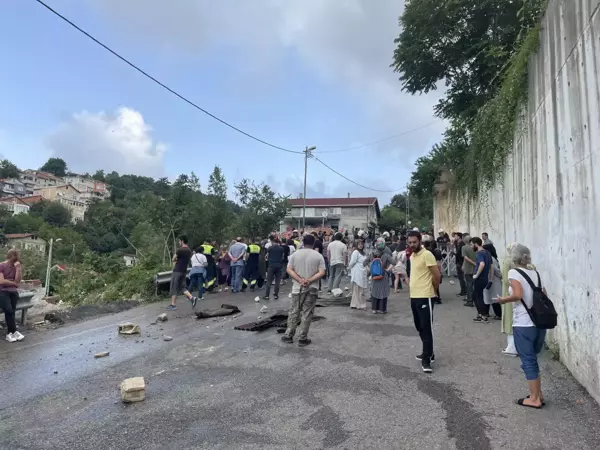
542, 312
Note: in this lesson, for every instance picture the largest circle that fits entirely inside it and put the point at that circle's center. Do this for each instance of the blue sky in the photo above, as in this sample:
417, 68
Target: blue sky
294, 73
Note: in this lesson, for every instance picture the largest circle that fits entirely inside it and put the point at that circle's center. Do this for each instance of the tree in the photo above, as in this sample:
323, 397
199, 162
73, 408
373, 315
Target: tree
99, 175
219, 210
465, 43
55, 166
71, 246
263, 208
53, 213
23, 223
391, 218
398, 201
8, 169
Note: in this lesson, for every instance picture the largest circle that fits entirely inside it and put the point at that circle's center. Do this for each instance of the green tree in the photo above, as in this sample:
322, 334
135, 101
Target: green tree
22, 223
219, 211
55, 166
391, 218
69, 249
8, 169
99, 175
53, 213
262, 208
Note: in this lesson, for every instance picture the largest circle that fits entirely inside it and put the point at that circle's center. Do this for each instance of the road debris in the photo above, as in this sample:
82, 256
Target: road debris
101, 354
133, 390
264, 309
224, 310
162, 318
55, 371
257, 299
129, 328
167, 338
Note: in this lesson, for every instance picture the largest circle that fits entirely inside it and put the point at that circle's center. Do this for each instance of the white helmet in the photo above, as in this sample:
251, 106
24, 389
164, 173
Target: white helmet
416, 229
386, 234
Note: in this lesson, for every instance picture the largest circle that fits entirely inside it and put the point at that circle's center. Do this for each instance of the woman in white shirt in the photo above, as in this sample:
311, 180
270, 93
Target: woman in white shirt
529, 340
359, 278
198, 273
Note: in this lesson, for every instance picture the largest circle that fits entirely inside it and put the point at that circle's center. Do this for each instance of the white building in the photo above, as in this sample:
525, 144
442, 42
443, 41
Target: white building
14, 205
35, 179
88, 187
12, 187
339, 213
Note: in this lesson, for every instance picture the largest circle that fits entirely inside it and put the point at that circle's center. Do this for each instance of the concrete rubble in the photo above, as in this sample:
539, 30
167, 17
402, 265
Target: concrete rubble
129, 328
133, 390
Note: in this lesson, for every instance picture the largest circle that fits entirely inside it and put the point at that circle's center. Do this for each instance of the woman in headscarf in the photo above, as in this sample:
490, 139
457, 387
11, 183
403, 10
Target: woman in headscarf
491, 295
359, 277
380, 289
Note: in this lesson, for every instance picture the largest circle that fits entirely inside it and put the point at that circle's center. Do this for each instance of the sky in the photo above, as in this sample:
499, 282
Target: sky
295, 73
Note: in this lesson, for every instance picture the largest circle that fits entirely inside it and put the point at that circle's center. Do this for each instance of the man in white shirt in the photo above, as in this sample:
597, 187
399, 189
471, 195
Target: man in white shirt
337, 253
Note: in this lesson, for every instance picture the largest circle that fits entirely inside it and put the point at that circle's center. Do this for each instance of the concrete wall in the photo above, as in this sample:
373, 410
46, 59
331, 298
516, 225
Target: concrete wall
550, 195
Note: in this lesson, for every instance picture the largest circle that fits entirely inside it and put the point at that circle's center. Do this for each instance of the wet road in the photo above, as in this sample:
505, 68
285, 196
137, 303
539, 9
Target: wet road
358, 386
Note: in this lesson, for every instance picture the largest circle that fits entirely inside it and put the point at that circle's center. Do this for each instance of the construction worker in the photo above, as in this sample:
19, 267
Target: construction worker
296, 238
209, 251
252, 265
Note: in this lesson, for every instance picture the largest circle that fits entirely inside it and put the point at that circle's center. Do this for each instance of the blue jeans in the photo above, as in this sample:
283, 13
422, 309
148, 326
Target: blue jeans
197, 279
236, 277
529, 341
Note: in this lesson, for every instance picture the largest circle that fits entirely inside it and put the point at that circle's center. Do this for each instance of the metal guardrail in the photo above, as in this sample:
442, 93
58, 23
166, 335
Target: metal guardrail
164, 278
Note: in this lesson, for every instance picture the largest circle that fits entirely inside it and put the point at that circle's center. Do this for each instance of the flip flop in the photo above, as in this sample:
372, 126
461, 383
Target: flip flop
521, 400
543, 402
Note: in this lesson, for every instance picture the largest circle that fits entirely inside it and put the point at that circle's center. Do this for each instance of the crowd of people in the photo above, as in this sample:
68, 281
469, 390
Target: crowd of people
375, 266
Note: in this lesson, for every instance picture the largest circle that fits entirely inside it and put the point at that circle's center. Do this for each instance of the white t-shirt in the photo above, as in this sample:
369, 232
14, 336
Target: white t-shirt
520, 315
337, 250
199, 260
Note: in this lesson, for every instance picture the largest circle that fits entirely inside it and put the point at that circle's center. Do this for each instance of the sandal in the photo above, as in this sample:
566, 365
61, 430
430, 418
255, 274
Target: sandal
543, 402
520, 402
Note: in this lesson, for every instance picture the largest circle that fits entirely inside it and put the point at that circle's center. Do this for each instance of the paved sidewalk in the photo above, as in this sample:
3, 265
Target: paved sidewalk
357, 386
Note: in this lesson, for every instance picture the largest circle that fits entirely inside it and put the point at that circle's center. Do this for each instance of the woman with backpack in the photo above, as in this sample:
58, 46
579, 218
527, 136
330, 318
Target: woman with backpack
359, 276
380, 267
529, 336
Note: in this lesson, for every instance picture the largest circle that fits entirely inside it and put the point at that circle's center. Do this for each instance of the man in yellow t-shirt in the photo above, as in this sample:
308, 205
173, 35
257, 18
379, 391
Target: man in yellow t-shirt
424, 281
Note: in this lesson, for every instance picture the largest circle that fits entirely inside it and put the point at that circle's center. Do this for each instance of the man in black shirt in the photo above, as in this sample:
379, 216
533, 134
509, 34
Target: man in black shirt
459, 244
275, 257
182, 258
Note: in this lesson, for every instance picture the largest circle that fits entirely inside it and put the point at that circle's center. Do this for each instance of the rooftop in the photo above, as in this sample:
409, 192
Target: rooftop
329, 202
19, 235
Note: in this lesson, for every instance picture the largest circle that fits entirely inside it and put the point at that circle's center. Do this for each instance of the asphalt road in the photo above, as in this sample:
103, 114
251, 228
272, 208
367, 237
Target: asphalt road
358, 386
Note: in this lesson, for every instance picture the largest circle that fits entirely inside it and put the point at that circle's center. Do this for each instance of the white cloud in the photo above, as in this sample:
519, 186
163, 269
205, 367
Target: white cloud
121, 141
347, 43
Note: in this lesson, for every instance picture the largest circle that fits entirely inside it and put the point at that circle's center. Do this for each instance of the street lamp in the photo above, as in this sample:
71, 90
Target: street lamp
307, 154
48, 268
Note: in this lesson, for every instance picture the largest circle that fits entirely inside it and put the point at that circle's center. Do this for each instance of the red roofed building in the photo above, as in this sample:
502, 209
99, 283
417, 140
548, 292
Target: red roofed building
16, 205
26, 241
344, 213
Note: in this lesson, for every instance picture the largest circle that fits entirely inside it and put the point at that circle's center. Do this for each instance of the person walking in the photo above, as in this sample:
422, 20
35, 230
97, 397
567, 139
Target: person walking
182, 258
11, 273
305, 267
424, 282
338, 260
237, 251
198, 273
275, 256
359, 276
529, 340
459, 260
493, 291
380, 287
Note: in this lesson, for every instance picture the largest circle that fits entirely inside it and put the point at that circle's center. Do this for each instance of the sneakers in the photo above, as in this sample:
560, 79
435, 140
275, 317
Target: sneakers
276, 297
287, 339
461, 294
420, 358
265, 297
426, 367
171, 308
481, 319
304, 342
18, 336
10, 337
469, 304
194, 301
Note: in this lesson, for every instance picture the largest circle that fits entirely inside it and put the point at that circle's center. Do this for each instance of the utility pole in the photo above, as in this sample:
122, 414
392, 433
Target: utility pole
307, 154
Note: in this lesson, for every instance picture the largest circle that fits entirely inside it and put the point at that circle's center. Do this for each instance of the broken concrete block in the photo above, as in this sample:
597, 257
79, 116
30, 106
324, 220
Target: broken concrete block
101, 354
167, 338
129, 328
162, 318
337, 292
257, 299
264, 309
133, 390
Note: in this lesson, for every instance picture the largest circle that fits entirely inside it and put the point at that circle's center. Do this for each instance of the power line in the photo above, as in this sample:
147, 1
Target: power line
379, 141
354, 182
164, 86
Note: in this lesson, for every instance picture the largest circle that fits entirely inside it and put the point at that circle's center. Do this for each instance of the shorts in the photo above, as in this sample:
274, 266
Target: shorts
178, 285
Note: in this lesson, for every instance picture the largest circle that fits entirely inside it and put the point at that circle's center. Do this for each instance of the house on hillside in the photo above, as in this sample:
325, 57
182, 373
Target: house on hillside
12, 187
26, 241
16, 205
67, 195
339, 213
89, 188
34, 179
